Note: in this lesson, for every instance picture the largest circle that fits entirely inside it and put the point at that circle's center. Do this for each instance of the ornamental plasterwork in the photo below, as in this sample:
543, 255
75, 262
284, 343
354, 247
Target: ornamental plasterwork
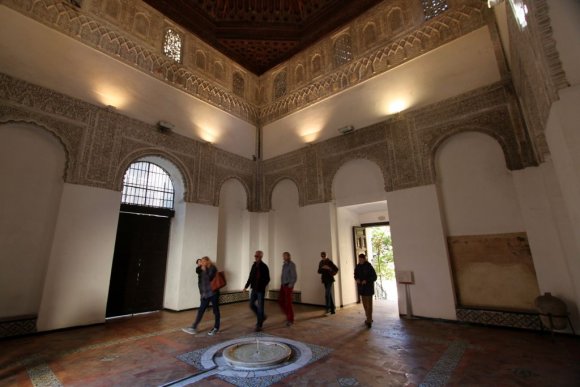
393, 49
132, 32
536, 69
404, 147
100, 143
98, 26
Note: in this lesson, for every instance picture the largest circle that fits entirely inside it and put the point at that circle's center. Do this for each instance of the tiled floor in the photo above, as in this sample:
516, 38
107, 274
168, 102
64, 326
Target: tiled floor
146, 351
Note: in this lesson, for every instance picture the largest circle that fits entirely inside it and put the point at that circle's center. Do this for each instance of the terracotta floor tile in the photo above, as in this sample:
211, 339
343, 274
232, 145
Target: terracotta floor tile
143, 351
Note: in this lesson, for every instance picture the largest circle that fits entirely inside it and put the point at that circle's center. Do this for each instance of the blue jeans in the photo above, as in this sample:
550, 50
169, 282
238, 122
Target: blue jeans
257, 305
329, 296
216, 310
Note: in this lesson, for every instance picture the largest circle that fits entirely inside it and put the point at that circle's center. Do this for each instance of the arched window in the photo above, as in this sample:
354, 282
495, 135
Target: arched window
239, 85
146, 184
280, 84
432, 8
343, 50
218, 71
369, 35
316, 64
172, 43
299, 74
200, 60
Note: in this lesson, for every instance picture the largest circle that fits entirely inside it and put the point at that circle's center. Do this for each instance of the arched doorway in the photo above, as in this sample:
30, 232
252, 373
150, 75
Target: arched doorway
140, 258
363, 226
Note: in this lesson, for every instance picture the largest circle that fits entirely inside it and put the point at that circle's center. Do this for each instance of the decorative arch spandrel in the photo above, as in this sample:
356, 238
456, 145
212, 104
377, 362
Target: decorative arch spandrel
224, 179
69, 136
376, 154
275, 181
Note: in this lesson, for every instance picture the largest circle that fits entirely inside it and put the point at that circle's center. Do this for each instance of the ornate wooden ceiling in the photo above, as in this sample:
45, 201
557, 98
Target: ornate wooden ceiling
259, 34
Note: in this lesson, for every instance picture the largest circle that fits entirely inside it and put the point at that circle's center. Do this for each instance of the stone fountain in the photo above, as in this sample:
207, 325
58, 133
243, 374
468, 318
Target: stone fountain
258, 354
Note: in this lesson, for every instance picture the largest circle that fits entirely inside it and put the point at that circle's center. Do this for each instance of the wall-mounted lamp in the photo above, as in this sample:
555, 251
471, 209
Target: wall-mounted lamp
165, 127
346, 129
493, 3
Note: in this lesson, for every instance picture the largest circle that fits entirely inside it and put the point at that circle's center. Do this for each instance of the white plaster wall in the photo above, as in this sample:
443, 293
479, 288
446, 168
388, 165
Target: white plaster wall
175, 258
302, 231
285, 229
477, 190
79, 269
464, 64
315, 236
346, 219
549, 233
200, 239
564, 16
374, 216
563, 140
419, 245
500, 12
232, 253
31, 169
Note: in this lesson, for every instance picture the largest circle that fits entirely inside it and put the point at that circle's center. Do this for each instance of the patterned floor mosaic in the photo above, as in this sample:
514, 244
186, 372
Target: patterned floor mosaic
211, 359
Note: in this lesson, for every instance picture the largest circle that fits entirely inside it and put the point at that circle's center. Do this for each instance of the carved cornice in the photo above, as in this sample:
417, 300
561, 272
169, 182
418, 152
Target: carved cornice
113, 35
389, 53
100, 144
404, 147
132, 33
537, 71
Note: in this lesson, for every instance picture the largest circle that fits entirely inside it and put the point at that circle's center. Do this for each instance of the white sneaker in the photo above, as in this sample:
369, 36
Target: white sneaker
212, 332
191, 331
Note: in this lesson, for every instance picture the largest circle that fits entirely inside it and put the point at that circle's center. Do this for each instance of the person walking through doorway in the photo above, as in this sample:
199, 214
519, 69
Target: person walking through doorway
258, 279
287, 282
206, 271
327, 270
365, 277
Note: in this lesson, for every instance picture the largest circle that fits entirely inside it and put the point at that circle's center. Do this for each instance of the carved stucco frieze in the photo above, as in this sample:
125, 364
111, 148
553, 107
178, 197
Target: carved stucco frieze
131, 31
377, 153
537, 70
70, 135
100, 144
491, 110
290, 166
404, 147
231, 166
112, 36
392, 52
403, 164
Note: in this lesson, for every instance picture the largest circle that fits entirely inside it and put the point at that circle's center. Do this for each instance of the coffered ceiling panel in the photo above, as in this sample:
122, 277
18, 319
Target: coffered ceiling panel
260, 34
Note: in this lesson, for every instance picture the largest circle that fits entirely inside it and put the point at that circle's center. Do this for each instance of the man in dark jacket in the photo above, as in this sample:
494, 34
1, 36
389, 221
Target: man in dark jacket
365, 277
327, 270
258, 280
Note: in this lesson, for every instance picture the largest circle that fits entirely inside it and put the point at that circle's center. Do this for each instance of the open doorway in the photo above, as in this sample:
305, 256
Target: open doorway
380, 255
374, 240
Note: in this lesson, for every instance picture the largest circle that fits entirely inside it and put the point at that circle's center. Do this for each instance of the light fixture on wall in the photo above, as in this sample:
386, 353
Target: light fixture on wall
165, 127
493, 3
346, 129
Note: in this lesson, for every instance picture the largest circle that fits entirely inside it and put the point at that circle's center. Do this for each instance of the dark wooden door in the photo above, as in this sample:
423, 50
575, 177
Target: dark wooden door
139, 265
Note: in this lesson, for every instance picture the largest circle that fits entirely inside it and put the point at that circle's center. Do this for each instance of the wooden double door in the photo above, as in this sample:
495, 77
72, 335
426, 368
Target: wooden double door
139, 264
